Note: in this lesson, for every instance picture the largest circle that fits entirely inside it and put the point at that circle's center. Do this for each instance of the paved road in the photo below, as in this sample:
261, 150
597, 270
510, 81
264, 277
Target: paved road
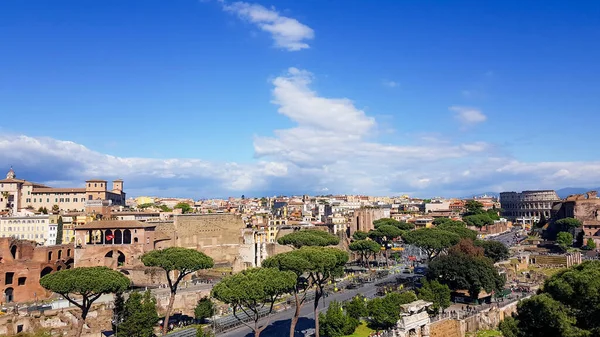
280, 322
509, 239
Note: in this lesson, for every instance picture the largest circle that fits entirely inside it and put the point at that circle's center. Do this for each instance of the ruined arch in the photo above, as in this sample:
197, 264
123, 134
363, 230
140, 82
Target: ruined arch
118, 237
46, 271
127, 237
13, 251
9, 295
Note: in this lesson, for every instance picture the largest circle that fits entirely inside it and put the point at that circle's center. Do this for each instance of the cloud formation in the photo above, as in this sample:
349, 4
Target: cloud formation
332, 148
288, 33
390, 84
468, 116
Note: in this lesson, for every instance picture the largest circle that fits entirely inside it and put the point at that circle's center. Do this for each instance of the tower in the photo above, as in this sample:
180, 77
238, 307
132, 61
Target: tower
117, 186
11, 174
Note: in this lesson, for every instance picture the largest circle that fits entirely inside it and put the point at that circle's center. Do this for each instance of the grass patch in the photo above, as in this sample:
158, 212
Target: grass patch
361, 331
485, 333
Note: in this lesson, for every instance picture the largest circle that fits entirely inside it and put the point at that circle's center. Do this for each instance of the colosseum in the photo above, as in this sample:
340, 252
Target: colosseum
527, 204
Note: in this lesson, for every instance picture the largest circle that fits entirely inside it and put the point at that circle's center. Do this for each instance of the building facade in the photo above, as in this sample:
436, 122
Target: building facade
18, 194
23, 263
36, 228
528, 204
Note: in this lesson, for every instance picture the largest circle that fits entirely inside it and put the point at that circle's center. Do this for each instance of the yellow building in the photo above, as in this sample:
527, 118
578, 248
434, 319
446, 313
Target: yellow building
144, 200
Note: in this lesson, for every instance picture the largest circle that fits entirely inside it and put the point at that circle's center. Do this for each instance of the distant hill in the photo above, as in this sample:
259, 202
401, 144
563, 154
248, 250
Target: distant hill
567, 191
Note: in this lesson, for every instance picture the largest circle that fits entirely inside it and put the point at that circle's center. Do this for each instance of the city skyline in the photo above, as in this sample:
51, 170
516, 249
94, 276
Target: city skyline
217, 98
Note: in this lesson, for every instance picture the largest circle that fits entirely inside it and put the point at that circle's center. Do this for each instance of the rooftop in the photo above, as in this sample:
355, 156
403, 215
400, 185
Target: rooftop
115, 224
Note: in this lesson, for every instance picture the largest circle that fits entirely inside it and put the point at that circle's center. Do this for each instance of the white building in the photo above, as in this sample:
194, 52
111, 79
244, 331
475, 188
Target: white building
34, 228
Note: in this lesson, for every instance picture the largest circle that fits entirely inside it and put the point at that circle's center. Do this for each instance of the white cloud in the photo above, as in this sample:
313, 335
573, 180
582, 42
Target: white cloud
390, 84
288, 33
467, 115
332, 147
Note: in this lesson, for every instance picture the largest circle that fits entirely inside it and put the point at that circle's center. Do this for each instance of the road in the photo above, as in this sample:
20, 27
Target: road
508, 239
280, 322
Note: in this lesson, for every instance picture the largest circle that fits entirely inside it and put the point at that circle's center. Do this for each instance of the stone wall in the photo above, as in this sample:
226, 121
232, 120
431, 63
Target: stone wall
217, 235
61, 322
445, 328
484, 320
20, 274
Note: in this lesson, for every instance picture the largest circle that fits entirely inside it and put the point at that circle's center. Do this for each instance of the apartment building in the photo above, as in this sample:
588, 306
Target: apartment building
33, 228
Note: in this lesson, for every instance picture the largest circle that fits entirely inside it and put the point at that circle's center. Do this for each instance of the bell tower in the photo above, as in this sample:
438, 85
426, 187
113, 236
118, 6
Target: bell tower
11, 174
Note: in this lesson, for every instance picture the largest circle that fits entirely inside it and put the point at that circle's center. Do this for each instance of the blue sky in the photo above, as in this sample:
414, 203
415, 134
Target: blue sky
217, 98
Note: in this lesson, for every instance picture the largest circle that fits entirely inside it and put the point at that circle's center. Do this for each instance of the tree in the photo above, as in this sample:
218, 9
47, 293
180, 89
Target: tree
366, 249
309, 238
146, 205
356, 308
360, 235
140, 316
253, 290
564, 240
165, 208
204, 309
200, 332
118, 310
466, 246
177, 263
459, 228
478, 220
184, 206
579, 239
474, 207
439, 294
385, 312
447, 221
59, 230
590, 244
493, 213
320, 264
494, 250
432, 240
55, 209
86, 284
466, 272
542, 316
567, 224
509, 327
384, 234
393, 222
578, 288
337, 323
43, 210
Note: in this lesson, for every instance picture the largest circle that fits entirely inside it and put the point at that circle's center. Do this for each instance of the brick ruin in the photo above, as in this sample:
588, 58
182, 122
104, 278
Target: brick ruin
23, 263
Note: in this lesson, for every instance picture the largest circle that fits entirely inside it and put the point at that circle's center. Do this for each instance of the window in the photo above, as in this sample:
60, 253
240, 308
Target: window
62, 200
95, 185
8, 279
55, 199
49, 256
68, 200
21, 281
74, 199
47, 199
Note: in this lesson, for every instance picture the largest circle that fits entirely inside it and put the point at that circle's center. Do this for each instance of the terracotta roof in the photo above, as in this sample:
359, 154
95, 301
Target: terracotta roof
57, 190
115, 224
13, 180
161, 236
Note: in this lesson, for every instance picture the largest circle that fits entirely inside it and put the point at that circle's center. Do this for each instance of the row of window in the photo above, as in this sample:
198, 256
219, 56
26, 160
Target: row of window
59, 193
25, 236
26, 221
29, 228
55, 200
